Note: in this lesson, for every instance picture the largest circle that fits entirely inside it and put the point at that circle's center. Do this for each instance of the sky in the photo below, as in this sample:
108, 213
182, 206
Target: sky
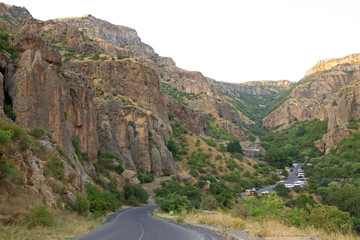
228, 40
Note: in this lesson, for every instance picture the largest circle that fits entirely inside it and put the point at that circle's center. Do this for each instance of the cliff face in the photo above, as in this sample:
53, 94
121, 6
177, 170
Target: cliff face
113, 105
328, 64
329, 95
119, 36
11, 16
203, 96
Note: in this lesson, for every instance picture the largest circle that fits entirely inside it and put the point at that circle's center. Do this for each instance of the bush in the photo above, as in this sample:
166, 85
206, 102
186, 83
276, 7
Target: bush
81, 205
172, 202
330, 218
102, 202
135, 192
194, 173
166, 172
40, 217
172, 146
37, 132
234, 147
209, 202
238, 156
7, 168
281, 190
56, 166
98, 207
5, 136
120, 56
241, 209
119, 169
201, 183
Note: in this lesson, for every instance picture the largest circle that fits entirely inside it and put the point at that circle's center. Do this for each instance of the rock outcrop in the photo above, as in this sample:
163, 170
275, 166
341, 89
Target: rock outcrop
120, 36
328, 64
11, 16
115, 106
331, 95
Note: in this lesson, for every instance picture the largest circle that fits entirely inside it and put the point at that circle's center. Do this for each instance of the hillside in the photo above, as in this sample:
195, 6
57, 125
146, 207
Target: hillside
89, 112
88, 100
330, 95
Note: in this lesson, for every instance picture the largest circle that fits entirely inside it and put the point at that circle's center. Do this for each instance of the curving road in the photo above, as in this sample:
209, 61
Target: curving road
137, 224
291, 179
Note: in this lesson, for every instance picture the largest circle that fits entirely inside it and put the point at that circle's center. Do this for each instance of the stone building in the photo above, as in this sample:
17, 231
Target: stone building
251, 150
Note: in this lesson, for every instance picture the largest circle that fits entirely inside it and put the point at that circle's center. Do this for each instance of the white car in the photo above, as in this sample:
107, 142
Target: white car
265, 192
282, 181
289, 185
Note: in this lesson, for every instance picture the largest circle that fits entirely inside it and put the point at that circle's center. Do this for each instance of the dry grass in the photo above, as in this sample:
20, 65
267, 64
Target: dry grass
268, 228
67, 225
19, 201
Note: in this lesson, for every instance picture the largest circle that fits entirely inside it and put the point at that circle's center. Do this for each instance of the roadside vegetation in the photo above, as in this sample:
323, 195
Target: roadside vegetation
23, 212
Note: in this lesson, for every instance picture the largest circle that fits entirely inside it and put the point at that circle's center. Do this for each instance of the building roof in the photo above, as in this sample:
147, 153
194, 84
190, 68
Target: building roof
257, 139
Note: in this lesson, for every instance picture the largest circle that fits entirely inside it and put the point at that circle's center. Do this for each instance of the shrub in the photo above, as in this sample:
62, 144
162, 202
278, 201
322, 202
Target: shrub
120, 56
281, 190
119, 169
172, 146
172, 202
135, 192
234, 147
9, 112
37, 132
98, 207
330, 218
241, 209
7, 168
81, 205
5, 136
231, 164
238, 156
166, 172
56, 166
209, 202
40, 217
194, 173
96, 55
18, 131
201, 183
102, 202
179, 219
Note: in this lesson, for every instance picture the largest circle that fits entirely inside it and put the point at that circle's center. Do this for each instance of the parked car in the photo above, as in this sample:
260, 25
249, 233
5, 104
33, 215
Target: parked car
282, 181
289, 185
265, 192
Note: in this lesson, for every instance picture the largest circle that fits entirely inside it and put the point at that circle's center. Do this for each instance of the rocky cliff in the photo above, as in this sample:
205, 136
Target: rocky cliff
327, 64
330, 95
112, 38
201, 95
87, 104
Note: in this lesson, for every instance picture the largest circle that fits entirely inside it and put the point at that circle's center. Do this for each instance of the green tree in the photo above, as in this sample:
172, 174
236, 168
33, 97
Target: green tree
281, 190
172, 146
234, 147
277, 158
172, 202
330, 218
81, 205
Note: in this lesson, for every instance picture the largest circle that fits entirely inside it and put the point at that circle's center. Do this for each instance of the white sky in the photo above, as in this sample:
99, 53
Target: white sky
229, 40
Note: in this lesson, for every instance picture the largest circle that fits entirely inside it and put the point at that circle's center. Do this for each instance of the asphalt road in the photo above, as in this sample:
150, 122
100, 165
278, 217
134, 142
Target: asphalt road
291, 179
137, 224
